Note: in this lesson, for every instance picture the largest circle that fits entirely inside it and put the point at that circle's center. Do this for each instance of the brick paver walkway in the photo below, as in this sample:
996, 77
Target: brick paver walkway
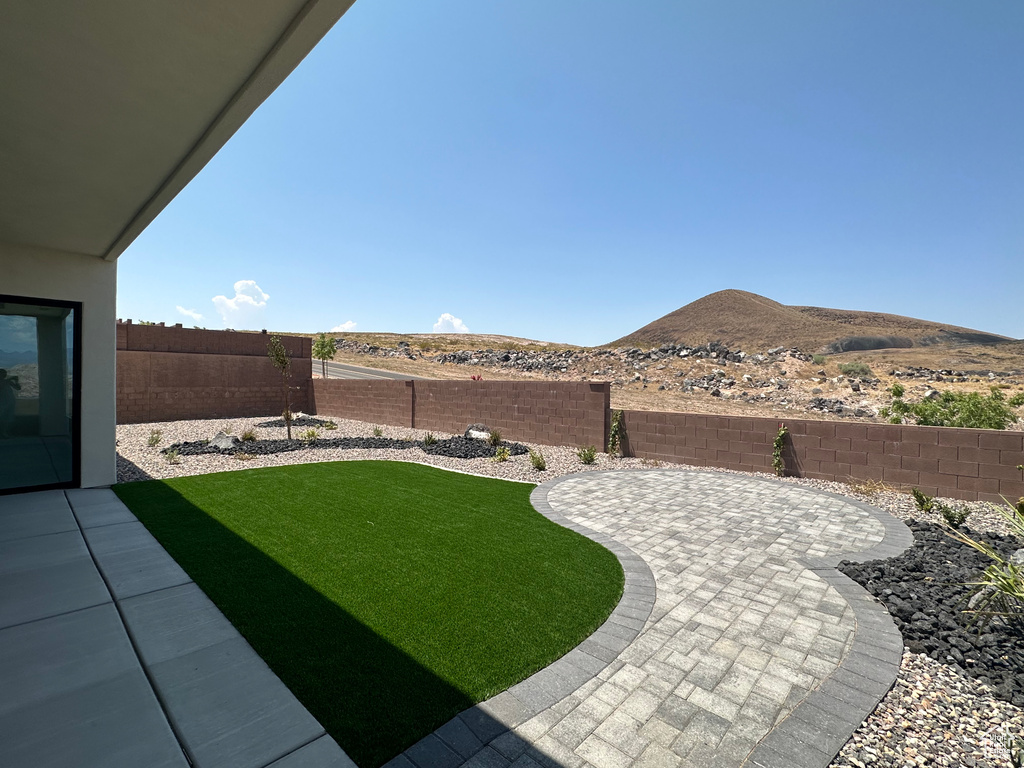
750, 650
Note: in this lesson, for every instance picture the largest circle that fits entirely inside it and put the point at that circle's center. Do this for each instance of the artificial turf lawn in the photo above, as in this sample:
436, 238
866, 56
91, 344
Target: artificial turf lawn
387, 596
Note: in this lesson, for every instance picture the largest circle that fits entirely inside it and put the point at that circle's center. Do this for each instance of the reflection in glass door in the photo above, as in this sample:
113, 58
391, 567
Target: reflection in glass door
39, 393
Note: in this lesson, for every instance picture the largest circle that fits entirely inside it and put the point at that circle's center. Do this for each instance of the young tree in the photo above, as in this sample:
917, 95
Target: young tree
323, 350
279, 357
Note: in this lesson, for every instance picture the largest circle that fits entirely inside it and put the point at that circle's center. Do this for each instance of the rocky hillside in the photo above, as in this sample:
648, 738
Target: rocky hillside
740, 319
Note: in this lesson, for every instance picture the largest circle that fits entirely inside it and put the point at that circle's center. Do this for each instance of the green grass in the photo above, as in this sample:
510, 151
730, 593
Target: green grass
387, 596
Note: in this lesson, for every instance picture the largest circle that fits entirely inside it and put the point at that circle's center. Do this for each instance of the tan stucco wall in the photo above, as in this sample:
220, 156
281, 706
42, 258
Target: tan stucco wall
92, 281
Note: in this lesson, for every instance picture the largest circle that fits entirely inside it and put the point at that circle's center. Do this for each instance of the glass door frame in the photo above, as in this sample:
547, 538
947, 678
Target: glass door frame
76, 390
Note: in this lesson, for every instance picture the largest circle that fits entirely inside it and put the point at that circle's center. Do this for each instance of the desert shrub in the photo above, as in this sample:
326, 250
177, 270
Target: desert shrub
429, 438
309, 436
615, 433
860, 370
494, 438
249, 435
173, 457
154, 438
329, 425
502, 454
587, 454
778, 446
377, 431
242, 456
1016, 401
923, 501
818, 359
955, 515
1000, 590
952, 409
538, 461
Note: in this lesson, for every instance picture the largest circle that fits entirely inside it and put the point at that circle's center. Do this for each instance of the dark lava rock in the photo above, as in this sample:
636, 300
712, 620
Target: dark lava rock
926, 590
454, 447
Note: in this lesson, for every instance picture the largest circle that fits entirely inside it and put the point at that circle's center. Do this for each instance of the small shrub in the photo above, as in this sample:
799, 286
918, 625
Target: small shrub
494, 438
587, 454
249, 435
818, 359
857, 370
1016, 401
538, 461
377, 431
897, 390
778, 446
429, 439
501, 454
615, 433
154, 438
309, 436
242, 456
923, 501
955, 515
329, 425
229, 428
173, 457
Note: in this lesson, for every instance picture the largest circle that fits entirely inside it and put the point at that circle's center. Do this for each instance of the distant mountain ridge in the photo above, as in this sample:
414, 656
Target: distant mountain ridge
743, 320
11, 359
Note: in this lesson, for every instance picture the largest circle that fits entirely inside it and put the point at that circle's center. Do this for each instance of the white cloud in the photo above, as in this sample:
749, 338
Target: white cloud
189, 313
447, 323
344, 327
245, 308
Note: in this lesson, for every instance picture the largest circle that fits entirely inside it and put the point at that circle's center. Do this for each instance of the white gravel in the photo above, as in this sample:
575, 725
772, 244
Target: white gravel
932, 717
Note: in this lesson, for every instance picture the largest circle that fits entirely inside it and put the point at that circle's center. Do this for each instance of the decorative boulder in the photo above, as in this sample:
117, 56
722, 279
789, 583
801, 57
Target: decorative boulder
223, 441
478, 432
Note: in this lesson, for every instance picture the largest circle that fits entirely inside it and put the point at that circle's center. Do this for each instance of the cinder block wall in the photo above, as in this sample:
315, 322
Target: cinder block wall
549, 413
960, 463
171, 373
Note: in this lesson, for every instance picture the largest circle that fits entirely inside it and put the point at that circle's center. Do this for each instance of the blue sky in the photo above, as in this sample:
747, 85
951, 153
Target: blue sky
570, 170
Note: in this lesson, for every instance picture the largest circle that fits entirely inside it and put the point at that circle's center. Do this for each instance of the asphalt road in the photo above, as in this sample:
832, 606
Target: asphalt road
343, 371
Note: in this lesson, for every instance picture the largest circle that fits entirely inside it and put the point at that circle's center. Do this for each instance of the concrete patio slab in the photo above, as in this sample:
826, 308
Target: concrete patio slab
79, 666
132, 561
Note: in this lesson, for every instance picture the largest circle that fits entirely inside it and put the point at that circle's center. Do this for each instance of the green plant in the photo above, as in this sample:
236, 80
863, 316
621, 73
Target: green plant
324, 348
494, 438
954, 515
923, 501
615, 434
429, 439
587, 454
154, 438
859, 370
818, 359
1016, 401
778, 446
951, 409
377, 431
249, 435
329, 425
309, 436
538, 461
279, 357
501, 454
897, 390
173, 457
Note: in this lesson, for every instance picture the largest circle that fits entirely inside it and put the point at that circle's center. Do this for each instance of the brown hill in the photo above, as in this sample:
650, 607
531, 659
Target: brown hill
743, 320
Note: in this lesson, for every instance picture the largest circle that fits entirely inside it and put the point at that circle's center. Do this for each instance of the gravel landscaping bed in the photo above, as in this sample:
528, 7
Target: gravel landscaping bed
935, 715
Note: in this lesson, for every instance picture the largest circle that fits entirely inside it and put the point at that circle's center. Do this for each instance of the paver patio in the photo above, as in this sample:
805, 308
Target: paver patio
741, 645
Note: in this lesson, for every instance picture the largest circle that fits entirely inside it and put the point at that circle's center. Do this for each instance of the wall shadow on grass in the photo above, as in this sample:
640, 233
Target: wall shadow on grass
373, 698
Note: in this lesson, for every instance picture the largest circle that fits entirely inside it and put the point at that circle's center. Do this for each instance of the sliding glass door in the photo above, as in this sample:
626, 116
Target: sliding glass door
40, 386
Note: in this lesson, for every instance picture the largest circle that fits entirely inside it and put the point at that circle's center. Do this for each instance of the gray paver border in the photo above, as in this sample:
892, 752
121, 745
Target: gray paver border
490, 719
818, 727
